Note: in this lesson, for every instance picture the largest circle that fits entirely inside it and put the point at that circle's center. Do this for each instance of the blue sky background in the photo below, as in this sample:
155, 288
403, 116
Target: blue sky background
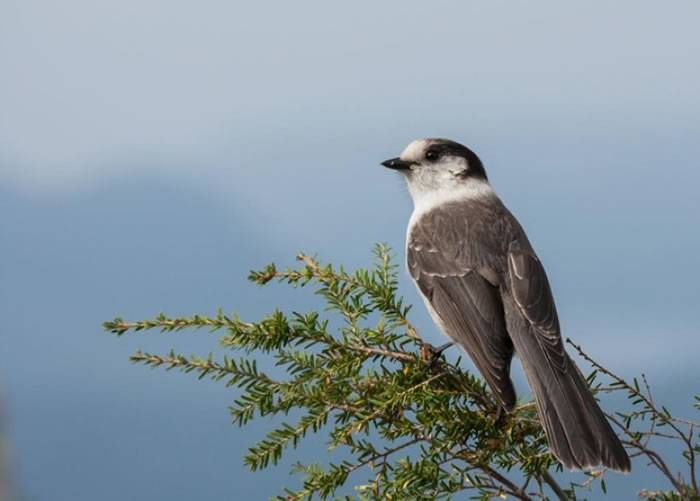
152, 152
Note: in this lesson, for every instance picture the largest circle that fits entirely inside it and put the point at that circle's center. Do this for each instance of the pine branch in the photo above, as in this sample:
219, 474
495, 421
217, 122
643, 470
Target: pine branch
415, 427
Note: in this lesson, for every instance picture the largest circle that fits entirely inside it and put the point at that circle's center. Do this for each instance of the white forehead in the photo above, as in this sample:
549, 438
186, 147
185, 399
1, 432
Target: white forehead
415, 150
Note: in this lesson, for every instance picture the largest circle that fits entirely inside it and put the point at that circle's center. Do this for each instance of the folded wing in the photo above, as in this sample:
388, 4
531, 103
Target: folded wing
468, 308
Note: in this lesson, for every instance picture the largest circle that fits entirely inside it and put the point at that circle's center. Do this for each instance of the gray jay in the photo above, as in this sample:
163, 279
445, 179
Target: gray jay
486, 290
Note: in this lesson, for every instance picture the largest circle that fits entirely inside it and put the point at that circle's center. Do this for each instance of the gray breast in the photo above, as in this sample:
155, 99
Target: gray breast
460, 236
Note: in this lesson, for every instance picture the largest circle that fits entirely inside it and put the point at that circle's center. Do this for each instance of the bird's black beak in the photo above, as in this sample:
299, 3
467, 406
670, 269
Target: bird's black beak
397, 164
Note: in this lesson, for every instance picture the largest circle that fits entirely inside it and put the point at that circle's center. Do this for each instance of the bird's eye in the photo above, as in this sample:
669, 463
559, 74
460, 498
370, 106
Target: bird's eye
432, 155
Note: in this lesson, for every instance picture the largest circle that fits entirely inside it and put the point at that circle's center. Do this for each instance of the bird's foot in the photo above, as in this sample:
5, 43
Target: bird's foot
431, 354
501, 414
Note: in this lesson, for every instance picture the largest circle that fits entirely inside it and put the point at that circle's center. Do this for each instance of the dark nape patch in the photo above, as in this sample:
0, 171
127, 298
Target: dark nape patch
449, 147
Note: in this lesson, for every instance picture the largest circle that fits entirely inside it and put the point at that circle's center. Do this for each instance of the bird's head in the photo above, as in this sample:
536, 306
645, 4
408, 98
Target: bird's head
438, 166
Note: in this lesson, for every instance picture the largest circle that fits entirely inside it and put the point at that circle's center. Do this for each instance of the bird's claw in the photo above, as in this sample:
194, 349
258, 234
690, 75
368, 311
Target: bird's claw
501, 414
431, 354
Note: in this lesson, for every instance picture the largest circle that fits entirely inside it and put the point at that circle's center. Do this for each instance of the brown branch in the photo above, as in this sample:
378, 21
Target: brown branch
311, 263
691, 460
512, 488
554, 486
385, 454
661, 465
672, 422
652, 455
652, 426
398, 396
379, 351
624, 384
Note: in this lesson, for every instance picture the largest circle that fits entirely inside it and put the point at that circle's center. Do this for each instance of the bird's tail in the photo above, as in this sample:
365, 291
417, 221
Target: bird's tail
578, 433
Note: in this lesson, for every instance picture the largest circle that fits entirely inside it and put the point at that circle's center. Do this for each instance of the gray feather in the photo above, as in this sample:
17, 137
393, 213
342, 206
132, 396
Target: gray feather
478, 274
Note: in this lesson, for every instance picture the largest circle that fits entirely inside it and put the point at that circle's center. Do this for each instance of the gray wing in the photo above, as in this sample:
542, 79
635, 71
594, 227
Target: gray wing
467, 305
534, 300
577, 430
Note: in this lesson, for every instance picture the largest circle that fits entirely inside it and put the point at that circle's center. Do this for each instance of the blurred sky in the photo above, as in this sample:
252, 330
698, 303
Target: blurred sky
152, 152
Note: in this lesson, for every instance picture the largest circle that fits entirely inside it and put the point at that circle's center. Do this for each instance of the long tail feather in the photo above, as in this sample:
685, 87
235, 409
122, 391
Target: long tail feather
578, 432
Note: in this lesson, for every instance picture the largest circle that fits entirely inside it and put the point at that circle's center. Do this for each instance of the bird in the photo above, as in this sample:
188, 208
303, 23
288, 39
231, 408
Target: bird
486, 289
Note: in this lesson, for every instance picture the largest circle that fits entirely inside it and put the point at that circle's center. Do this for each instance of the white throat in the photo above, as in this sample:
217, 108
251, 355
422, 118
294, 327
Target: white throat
425, 200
